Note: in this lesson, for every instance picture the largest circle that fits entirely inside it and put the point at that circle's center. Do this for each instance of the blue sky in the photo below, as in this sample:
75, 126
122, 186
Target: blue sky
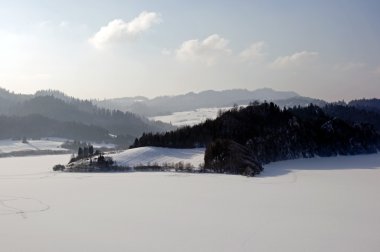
99, 49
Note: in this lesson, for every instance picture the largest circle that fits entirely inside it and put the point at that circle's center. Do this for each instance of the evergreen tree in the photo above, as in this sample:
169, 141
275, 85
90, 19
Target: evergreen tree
80, 152
91, 150
85, 151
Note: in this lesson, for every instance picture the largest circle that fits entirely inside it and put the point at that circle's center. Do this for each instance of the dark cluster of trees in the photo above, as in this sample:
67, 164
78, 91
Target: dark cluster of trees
90, 160
85, 151
104, 162
93, 159
59, 167
271, 134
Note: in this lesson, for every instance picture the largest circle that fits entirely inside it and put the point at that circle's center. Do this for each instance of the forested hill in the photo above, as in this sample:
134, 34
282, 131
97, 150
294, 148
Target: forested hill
68, 117
367, 104
116, 122
272, 134
37, 126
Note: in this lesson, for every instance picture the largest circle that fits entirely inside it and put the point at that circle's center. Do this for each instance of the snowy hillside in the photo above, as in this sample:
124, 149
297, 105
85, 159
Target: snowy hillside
319, 204
157, 155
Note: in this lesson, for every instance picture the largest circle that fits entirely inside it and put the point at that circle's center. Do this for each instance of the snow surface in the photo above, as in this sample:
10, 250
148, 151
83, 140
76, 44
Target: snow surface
190, 118
320, 204
159, 155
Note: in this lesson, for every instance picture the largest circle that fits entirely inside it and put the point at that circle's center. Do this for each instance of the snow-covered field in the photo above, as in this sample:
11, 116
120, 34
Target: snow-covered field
157, 155
9, 146
15, 147
320, 204
104, 145
192, 117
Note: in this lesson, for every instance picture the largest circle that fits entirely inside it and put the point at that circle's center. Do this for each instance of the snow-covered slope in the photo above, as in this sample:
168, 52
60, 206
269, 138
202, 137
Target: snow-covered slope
320, 204
158, 155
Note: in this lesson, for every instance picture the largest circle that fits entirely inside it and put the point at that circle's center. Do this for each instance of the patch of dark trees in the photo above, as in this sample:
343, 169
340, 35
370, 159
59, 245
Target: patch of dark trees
241, 140
85, 151
89, 160
59, 167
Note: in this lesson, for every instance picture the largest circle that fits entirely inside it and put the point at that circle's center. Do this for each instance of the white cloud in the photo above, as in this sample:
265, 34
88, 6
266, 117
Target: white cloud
253, 52
296, 59
349, 66
119, 30
207, 51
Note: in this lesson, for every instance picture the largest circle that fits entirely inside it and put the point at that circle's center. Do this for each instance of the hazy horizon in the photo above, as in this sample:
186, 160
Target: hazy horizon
325, 50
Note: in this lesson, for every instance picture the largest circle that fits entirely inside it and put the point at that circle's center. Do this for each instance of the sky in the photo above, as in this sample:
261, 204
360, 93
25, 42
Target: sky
106, 49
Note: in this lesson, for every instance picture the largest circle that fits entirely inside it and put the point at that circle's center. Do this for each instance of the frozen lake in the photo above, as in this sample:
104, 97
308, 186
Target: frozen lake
320, 204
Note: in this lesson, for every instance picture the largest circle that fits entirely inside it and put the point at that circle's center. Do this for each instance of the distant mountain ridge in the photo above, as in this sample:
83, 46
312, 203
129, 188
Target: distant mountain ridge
163, 105
8, 99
